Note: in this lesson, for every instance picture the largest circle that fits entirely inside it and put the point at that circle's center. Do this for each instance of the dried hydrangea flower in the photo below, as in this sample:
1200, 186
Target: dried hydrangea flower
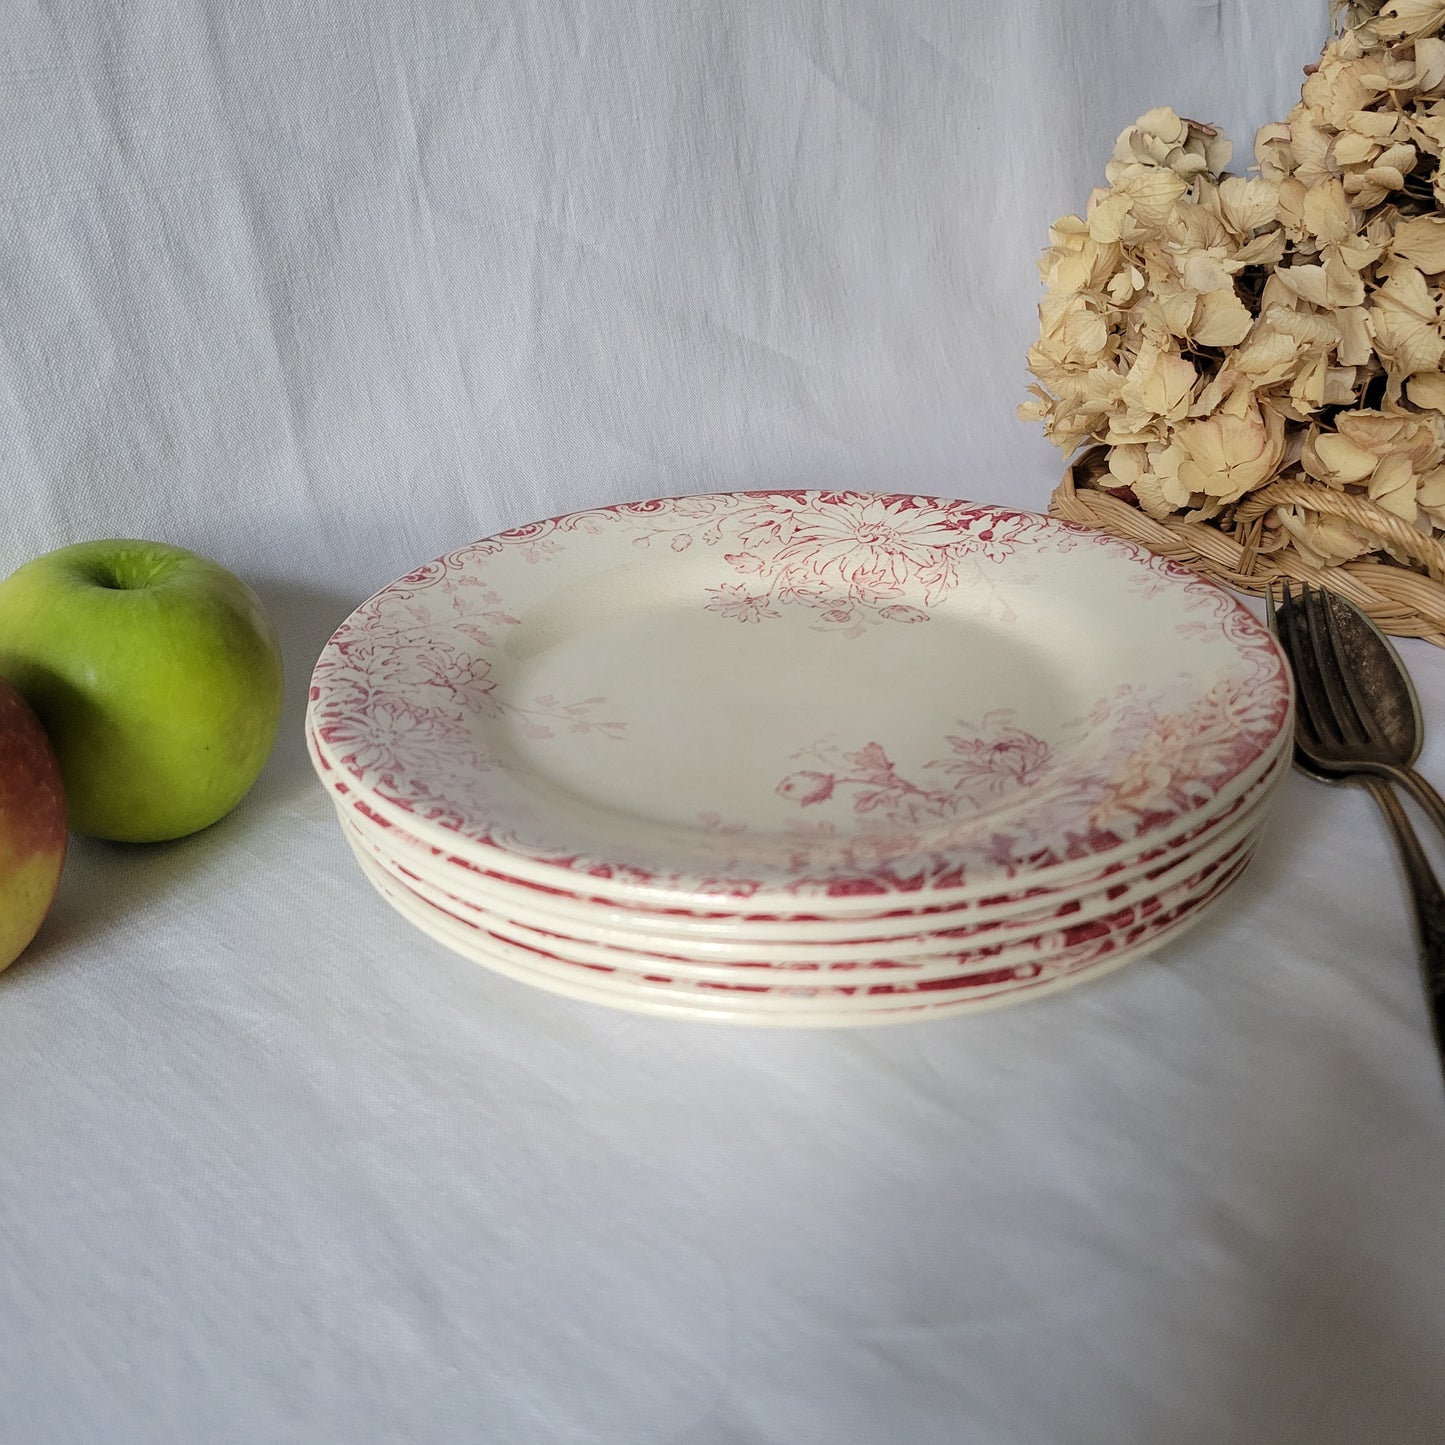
1216, 332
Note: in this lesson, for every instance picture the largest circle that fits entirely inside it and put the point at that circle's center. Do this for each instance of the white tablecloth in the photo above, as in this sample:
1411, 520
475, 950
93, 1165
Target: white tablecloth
321, 290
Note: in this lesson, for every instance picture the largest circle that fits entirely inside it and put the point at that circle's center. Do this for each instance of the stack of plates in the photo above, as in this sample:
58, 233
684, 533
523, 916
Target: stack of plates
801, 758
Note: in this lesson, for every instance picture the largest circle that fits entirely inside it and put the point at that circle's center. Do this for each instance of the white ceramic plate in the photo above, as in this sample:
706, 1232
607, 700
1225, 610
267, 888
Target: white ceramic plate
723, 935
1027, 949
944, 950
809, 702
681, 1001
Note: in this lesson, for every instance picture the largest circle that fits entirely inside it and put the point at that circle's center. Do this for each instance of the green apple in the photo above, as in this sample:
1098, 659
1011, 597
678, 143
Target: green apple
156, 675
32, 824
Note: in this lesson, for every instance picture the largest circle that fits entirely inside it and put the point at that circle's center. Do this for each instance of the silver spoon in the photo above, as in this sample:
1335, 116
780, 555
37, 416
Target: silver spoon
1385, 703
1394, 700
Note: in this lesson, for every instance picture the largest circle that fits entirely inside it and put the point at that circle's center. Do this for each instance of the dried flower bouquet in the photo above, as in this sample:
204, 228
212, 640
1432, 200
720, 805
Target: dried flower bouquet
1256, 366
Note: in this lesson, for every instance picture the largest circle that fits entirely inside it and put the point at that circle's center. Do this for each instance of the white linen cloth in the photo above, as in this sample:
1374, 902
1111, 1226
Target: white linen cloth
322, 290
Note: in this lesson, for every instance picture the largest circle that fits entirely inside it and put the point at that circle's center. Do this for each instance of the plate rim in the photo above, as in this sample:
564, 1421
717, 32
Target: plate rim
812, 894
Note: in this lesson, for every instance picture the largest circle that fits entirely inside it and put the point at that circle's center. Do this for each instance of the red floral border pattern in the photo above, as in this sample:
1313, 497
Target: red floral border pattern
390, 697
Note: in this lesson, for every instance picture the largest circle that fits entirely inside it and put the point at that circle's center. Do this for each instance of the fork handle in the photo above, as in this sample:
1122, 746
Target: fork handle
1423, 793
1417, 786
1428, 899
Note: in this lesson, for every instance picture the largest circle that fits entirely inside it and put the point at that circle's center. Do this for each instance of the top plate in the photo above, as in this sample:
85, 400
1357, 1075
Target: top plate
799, 698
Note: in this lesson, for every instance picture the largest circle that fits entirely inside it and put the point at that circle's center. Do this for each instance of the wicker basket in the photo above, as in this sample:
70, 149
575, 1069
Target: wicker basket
1400, 600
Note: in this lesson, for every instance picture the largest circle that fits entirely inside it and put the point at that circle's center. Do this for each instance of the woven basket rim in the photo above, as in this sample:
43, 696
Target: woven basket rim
1398, 599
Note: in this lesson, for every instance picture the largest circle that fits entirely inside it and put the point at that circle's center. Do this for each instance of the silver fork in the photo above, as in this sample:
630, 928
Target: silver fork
1373, 718
1335, 741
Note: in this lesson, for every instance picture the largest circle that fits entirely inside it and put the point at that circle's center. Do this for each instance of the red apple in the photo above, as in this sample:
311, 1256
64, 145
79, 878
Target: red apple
32, 824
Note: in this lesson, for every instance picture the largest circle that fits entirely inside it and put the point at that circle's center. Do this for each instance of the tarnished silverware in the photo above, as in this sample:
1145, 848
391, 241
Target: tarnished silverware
1374, 713
1357, 719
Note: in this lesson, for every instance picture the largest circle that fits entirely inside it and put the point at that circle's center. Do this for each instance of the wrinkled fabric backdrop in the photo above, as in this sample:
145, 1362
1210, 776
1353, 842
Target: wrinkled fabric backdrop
322, 290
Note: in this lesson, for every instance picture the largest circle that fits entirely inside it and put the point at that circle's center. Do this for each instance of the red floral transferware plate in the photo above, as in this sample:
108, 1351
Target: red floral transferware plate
828, 1007
811, 700
837, 965
633, 927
